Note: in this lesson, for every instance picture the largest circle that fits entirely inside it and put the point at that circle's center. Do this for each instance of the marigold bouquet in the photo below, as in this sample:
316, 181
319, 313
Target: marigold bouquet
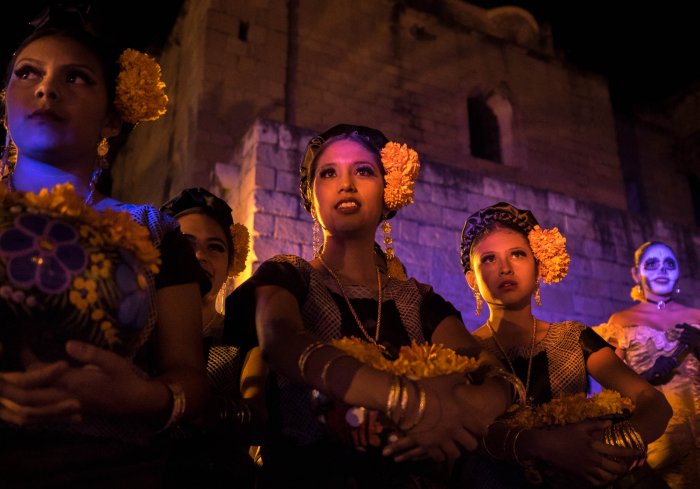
571, 409
417, 361
68, 271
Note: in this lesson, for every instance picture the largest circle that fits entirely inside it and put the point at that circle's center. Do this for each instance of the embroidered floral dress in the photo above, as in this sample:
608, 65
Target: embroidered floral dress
676, 454
80, 283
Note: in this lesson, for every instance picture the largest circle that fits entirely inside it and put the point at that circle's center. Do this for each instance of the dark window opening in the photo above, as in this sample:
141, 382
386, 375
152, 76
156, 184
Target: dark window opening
484, 133
243, 30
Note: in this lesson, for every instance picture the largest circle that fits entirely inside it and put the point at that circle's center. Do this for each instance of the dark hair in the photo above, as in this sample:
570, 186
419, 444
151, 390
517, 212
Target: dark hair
480, 223
197, 200
641, 251
372, 139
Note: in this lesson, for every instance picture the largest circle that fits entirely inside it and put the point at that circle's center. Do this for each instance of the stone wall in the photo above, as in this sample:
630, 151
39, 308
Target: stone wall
402, 66
261, 184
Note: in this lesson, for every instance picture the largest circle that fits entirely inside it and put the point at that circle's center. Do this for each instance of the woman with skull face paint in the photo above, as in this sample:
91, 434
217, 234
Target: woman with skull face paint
660, 339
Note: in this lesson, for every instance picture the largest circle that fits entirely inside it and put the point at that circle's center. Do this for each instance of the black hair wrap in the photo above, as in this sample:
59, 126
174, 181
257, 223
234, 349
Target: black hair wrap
502, 213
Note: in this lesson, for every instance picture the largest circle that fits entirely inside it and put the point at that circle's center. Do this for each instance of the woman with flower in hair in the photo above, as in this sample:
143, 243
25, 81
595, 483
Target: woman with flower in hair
101, 335
505, 255
216, 450
352, 180
660, 339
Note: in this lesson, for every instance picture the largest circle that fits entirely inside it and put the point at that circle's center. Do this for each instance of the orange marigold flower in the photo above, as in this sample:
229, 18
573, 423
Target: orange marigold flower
549, 248
241, 247
140, 94
401, 167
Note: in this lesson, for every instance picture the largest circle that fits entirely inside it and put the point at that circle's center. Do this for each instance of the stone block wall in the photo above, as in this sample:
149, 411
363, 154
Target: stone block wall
402, 66
601, 240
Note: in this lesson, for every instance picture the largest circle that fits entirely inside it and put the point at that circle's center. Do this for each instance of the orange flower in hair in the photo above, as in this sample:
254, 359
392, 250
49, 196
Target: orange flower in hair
401, 167
140, 94
241, 246
549, 248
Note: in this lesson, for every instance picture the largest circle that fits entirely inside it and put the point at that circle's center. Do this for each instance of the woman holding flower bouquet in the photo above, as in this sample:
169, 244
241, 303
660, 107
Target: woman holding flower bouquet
332, 415
505, 254
101, 335
660, 339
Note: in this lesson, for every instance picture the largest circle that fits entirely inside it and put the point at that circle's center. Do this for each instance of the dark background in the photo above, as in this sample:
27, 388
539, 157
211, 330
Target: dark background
648, 50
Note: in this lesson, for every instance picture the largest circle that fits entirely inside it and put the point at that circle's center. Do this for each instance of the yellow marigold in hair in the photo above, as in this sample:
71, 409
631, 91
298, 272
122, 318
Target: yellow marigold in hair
241, 247
401, 167
140, 94
549, 248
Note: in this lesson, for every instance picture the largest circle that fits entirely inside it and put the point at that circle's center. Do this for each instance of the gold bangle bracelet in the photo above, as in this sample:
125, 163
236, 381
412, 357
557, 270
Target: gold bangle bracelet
422, 404
326, 368
179, 405
304, 357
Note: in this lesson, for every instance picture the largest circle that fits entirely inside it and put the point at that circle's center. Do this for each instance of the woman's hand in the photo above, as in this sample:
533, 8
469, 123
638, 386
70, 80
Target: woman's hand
690, 336
108, 384
33, 396
454, 420
578, 449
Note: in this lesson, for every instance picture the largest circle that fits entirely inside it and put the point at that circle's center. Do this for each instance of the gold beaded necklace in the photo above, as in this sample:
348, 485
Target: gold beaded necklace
374, 340
505, 355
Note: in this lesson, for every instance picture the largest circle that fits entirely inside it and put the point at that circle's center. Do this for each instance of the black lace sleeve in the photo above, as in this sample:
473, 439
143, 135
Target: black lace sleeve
591, 342
239, 324
434, 309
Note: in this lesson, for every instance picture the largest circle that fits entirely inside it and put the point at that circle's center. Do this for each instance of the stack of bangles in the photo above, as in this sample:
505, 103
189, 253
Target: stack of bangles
625, 435
397, 403
519, 395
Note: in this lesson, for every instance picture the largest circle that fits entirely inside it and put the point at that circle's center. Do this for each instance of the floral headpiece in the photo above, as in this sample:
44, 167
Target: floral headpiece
140, 94
401, 166
548, 245
549, 248
241, 246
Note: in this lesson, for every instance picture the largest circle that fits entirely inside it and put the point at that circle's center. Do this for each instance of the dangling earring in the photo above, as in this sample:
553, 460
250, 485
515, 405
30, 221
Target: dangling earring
479, 302
677, 290
103, 148
316, 237
101, 166
221, 295
9, 159
394, 267
538, 299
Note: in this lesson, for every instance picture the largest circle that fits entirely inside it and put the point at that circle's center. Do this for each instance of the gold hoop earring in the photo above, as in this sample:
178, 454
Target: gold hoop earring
479, 302
538, 299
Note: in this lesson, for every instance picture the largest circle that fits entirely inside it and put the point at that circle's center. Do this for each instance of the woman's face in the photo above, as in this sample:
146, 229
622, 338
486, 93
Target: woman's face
57, 102
348, 189
503, 268
210, 247
658, 271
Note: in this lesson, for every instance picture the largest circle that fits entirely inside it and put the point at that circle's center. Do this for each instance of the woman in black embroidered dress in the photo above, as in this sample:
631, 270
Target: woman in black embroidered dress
91, 424
345, 291
504, 256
